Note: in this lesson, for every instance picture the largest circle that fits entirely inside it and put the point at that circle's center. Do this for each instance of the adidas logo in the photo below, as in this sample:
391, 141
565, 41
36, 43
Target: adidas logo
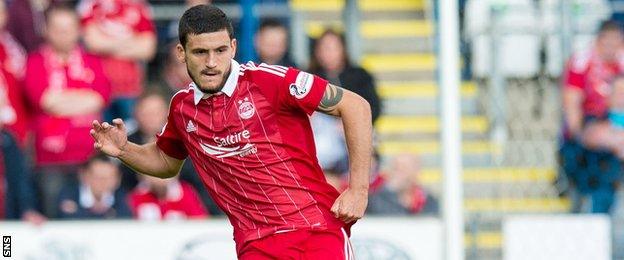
190, 127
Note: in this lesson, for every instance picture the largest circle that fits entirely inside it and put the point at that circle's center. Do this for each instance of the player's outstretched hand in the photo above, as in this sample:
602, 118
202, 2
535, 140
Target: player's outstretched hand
350, 205
110, 139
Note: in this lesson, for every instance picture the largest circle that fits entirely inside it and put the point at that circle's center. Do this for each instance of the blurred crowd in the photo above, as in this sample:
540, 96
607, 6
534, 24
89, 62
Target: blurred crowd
65, 64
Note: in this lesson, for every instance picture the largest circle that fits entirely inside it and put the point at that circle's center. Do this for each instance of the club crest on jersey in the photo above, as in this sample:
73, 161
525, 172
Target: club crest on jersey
246, 109
302, 85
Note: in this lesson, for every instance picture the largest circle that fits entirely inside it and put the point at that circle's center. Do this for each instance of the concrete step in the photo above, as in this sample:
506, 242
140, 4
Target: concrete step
517, 205
491, 175
421, 98
416, 75
397, 45
484, 245
392, 5
475, 153
401, 67
395, 29
406, 125
425, 106
391, 147
314, 28
317, 5
406, 62
393, 15
419, 89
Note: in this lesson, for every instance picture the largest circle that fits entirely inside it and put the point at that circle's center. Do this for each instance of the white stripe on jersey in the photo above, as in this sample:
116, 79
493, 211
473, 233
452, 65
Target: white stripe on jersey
273, 67
265, 70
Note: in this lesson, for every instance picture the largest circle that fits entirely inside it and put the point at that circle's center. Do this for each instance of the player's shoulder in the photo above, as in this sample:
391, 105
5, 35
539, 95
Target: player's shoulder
580, 60
262, 71
181, 95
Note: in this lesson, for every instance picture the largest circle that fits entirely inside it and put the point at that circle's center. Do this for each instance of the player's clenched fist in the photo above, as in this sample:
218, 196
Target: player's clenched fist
350, 205
110, 139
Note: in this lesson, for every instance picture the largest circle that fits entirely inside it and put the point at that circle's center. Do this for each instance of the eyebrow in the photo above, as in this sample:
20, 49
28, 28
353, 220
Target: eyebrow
204, 49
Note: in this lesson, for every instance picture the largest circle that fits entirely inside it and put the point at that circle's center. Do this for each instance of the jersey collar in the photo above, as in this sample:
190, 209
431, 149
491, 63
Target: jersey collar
228, 88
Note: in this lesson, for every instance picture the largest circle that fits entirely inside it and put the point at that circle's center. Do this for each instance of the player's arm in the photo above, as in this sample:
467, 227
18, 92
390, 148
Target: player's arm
572, 109
147, 159
71, 102
355, 114
98, 42
139, 47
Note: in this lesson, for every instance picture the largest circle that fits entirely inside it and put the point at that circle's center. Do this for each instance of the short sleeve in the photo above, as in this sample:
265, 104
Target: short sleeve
302, 90
86, 12
35, 84
169, 140
575, 74
145, 23
100, 82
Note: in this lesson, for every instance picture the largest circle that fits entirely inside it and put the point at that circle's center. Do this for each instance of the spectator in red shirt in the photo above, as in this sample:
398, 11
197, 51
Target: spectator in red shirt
587, 78
159, 199
122, 32
67, 90
586, 90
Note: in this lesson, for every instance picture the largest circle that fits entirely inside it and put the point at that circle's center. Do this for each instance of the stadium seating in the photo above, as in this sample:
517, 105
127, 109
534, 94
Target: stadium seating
518, 40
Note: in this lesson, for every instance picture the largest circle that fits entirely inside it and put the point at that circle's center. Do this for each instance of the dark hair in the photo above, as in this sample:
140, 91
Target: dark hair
315, 66
203, 19
98, 157
59, 8
151, 92
610, 25
271, 23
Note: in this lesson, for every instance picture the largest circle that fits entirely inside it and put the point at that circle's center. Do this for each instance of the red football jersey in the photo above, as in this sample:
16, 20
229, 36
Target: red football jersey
252, 145
589, 73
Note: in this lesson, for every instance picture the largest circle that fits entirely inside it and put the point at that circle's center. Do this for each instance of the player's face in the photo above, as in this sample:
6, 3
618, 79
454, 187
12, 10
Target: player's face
208, 58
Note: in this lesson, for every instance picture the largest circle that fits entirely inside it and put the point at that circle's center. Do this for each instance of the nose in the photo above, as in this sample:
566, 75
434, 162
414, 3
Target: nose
212, 61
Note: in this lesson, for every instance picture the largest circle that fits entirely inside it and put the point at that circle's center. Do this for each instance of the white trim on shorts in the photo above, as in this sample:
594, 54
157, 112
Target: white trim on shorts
348, 249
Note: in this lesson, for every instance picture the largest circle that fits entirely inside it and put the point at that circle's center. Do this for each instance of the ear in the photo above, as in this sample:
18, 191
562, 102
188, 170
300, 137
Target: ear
233, 44
180, 53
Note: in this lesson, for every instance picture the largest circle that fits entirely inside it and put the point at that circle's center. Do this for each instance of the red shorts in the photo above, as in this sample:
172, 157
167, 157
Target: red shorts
300, 244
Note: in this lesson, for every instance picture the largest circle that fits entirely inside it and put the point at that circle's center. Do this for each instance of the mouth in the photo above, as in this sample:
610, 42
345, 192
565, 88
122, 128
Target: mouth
210, 74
